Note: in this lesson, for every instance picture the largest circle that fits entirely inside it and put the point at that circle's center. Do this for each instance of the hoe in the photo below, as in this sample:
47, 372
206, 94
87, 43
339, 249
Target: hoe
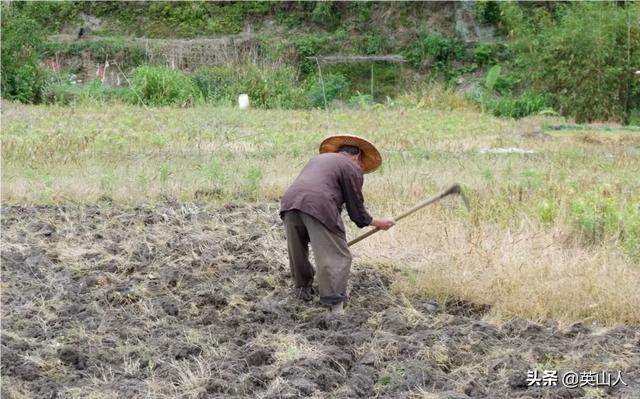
454, 189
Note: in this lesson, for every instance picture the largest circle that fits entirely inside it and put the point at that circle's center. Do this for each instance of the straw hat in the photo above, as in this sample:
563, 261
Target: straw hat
369, 156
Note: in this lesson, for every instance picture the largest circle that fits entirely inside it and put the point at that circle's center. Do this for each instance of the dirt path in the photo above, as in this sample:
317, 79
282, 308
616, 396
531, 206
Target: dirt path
181, 301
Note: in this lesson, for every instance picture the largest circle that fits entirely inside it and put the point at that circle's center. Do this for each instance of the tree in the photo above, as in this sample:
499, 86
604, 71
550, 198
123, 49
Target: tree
21, 42
581, 56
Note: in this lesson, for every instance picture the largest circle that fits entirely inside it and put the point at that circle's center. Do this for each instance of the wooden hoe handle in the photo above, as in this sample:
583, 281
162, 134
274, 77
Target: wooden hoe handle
454, 189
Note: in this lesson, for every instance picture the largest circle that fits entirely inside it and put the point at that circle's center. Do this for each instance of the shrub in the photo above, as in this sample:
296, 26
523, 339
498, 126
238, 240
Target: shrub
438, 50
362, 11
484, 54
517, 107
50, 15
308, 46
66, 93
361, 100
22, 79
580, 56
155, 85
375, 43
60, 93
325, 16
507, 105
437, 46
334, 86
504, 84
487, 12
282, 89
270, 87
215, 83
273, 86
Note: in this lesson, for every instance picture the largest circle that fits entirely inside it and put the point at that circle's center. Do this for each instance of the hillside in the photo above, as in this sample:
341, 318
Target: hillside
449, 44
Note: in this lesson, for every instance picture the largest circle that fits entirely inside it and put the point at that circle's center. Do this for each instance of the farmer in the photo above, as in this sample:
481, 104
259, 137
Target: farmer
311, 208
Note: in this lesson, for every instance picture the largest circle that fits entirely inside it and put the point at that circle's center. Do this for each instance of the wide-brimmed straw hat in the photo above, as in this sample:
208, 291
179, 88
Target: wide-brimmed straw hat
369, 155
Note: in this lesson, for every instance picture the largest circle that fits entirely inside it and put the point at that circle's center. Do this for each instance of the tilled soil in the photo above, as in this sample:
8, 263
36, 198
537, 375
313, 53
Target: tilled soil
183, 301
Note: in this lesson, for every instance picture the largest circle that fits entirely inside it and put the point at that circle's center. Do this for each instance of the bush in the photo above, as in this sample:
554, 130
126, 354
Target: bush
50, 15
268, 87
334, 86
517, 107
271, 87
22, 79
375, 43
361, 100
436, 46
66, 93
155, 85
282, 89
578, 56
487, 12
308, 46
507, 105
216, 84
325, 16
484, 54
438, 50
60, 93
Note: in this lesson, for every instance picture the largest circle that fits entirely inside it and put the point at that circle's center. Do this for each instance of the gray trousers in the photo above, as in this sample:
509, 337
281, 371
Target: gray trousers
330, 252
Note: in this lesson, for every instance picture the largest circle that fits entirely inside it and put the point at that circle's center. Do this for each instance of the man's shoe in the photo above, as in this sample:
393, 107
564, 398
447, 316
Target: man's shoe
306, 293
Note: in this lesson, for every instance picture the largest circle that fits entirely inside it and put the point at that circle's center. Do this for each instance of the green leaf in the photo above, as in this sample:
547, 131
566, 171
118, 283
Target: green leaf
492, 78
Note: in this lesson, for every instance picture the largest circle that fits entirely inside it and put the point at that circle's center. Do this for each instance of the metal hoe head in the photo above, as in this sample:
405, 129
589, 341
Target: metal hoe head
456, 189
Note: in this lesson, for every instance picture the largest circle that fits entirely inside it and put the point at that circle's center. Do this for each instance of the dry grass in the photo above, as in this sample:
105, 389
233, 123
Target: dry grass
523, 249
287, 348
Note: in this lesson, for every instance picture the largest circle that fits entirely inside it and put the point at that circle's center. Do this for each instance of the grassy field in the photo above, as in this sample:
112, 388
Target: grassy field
554, 234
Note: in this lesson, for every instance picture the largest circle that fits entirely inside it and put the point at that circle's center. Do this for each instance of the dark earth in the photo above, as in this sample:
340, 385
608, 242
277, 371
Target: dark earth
181, 301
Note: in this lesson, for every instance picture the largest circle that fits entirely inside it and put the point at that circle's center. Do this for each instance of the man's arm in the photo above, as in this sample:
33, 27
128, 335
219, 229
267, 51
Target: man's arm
354, 200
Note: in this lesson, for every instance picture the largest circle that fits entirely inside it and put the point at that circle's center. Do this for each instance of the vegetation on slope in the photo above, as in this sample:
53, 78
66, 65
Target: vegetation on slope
578, 59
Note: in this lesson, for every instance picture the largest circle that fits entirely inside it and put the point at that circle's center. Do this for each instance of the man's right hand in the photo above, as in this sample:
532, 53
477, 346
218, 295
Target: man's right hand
383, 224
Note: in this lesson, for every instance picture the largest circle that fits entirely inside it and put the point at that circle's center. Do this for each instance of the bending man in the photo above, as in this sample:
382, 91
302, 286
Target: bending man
311, 208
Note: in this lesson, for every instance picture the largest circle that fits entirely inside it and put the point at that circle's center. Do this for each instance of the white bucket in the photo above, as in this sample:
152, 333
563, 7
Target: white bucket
243, 101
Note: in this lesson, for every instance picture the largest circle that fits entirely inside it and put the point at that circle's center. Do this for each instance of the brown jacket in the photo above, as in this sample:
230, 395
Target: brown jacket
325, 184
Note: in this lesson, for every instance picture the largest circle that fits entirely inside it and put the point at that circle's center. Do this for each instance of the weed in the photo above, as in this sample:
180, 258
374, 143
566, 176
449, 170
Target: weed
165, 172
162, 86
253, 179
